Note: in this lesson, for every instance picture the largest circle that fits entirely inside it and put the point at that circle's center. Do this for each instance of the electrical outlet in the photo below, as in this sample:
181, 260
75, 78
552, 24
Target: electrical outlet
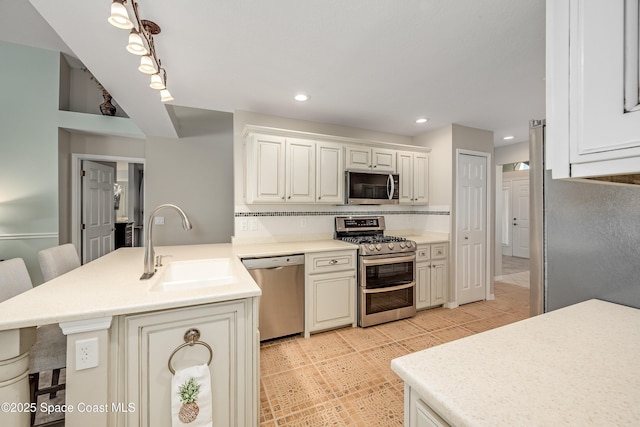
159, 220
243, 225
303, 223
86, 354
253, 224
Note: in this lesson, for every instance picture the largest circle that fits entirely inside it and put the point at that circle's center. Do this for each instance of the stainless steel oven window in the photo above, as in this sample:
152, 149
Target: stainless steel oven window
386, 304
387, 271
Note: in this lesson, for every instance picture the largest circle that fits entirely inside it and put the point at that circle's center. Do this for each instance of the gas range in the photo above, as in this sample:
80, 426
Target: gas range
368, 232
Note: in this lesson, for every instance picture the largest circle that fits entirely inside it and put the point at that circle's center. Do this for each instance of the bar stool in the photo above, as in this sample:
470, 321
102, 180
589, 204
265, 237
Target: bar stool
50, 350
58, 260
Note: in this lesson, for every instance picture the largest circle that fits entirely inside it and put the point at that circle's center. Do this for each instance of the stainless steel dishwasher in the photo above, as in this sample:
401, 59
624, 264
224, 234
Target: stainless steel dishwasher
281, 304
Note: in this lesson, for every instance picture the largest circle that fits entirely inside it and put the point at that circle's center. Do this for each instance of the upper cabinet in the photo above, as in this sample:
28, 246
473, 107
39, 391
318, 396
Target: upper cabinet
329, 173
284, 166
593, 105
370, 159
280, 170
413, 170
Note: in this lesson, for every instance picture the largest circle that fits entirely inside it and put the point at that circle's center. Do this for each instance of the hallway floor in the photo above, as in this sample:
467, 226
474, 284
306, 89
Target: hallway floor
343, 377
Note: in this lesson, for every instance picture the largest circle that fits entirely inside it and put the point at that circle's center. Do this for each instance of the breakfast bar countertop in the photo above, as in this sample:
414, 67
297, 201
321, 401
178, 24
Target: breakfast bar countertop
578, 365
111, 286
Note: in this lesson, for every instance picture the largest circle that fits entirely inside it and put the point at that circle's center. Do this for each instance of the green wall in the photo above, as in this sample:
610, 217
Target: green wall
29, 91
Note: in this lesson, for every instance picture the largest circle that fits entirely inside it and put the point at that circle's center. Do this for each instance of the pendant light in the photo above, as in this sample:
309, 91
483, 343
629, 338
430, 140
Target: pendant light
119, 16
147, 65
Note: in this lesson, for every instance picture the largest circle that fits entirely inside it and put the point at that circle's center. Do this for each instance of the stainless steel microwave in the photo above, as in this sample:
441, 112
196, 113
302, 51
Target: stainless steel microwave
369, 188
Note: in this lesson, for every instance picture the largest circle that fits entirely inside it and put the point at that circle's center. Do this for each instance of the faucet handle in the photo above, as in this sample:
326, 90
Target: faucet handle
159, 261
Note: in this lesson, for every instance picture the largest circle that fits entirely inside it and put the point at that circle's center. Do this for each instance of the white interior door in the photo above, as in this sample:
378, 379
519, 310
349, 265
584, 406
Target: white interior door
471, 213
520, 210
506, 223
97, 210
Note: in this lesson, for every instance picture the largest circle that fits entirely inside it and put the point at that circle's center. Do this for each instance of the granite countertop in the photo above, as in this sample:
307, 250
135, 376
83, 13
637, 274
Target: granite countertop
575, 366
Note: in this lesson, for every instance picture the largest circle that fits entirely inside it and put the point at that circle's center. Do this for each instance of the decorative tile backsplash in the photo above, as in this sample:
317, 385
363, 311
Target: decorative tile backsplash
269, 226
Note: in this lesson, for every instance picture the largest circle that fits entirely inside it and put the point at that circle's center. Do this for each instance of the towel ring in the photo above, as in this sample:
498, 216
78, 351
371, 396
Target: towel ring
191, 338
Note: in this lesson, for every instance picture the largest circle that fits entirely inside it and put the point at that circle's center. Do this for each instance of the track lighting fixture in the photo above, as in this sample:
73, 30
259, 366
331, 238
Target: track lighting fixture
141, 43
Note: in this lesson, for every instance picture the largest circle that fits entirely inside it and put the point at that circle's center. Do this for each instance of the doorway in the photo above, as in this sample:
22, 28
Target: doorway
124, 201
515, 214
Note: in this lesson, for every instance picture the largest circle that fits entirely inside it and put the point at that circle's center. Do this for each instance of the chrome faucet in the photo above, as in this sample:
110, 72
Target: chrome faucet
149, 253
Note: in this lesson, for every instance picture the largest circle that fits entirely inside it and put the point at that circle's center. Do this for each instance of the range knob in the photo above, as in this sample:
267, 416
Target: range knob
390, 245
378, 246
409, 244
371, 247
403, 245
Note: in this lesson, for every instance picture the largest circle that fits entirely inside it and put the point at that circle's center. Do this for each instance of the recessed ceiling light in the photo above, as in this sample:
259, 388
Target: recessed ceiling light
422, 120
301, 97
506, 138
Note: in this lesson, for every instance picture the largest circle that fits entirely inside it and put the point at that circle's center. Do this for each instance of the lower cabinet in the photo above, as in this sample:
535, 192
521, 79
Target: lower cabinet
151, 340
418, 413
432, 278
330, 290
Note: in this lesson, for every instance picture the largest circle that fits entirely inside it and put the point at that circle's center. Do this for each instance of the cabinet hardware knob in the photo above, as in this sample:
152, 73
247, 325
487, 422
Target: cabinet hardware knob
289, 197
333, 261
466, 238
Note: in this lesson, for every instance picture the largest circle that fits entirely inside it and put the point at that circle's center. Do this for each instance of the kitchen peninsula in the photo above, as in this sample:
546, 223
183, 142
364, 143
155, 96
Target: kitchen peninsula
135, 325
574, 366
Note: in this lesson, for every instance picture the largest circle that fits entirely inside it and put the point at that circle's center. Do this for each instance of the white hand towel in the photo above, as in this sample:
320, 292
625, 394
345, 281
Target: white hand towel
191, 397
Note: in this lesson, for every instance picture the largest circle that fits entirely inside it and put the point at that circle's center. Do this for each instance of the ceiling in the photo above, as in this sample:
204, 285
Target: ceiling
371, 64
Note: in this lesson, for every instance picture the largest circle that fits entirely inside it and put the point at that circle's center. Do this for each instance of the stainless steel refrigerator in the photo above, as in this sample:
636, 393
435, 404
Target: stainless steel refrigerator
585, 237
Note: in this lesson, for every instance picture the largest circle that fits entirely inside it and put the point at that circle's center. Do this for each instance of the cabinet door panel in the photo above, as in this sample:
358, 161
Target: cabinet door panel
420, 178
383, 160
301, 171
266, 170
330, 174
603, 127
358, 158
423, 285
438, 282
152, 338
405, 170
332, 302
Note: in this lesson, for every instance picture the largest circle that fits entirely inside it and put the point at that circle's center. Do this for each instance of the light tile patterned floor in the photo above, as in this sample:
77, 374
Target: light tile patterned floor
344, 378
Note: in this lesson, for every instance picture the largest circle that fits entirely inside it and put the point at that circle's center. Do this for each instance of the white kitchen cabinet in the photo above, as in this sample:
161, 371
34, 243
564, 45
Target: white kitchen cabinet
432, 278
301, 171
229, 328
418, 413
413, 168
280, 170
593, 105
330, 290
370, 159
329, 173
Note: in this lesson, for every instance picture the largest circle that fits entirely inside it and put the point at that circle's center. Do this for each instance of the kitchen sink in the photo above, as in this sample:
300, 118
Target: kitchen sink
201, 273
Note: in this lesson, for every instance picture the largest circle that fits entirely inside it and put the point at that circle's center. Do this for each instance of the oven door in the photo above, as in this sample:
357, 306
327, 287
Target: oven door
387, 289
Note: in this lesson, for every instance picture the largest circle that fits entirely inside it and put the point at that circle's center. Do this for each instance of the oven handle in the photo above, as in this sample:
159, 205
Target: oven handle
384, 259
388, 289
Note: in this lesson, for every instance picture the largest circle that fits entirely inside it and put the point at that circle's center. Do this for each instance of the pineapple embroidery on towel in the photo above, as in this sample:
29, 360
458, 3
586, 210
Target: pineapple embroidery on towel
188, 396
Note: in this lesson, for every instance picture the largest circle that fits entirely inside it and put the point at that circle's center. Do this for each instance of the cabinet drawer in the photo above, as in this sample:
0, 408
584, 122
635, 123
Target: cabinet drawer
423, 253
329, 262
439, 250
